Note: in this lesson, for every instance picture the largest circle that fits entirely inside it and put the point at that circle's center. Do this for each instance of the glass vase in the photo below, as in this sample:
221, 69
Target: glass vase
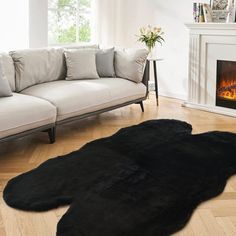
152, 52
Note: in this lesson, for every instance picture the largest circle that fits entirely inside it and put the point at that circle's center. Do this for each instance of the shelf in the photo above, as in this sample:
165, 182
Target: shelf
212, 26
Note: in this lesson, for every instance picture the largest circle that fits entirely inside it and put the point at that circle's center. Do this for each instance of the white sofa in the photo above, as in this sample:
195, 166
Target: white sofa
43, 99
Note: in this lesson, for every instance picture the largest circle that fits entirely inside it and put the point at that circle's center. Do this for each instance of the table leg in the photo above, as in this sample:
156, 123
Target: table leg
148, 95
156, 82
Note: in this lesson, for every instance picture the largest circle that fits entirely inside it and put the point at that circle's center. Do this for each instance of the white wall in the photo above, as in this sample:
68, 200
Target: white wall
38, 23
23, 24
171, 16
13, 24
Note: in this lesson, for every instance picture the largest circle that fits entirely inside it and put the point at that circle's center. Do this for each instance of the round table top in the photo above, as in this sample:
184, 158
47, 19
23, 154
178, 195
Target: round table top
155, 59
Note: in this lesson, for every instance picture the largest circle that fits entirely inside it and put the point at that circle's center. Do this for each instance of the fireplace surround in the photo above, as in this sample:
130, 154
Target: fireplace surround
212, 54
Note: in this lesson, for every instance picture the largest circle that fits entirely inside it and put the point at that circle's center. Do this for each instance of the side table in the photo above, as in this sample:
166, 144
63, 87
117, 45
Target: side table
154, 61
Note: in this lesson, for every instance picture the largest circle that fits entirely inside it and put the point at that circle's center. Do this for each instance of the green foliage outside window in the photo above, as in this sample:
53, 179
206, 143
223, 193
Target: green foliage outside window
85, 3
69, 21
67, 35
85, 32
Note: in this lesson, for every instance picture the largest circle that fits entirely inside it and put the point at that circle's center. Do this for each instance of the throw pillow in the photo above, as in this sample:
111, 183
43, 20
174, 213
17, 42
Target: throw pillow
5, 90
81, 64
130, 64
105, 62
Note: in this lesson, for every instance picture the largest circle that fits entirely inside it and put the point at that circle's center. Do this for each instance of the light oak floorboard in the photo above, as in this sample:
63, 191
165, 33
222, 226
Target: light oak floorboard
213, 218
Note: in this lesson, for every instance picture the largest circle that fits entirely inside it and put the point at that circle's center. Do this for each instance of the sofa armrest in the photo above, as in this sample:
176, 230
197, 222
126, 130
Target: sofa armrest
146, 75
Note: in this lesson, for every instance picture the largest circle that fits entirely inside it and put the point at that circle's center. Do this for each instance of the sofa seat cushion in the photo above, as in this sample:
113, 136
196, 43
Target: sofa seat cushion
21, 113
73, 98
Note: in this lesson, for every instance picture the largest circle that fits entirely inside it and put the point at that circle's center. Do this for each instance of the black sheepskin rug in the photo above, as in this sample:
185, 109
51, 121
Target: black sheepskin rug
145, 180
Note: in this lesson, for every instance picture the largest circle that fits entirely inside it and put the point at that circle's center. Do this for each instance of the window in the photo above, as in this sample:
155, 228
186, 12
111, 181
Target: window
69, 21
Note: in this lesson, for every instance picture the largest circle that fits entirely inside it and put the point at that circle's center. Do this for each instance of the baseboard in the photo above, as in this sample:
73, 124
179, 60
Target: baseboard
151, 86
212, 109
172, 95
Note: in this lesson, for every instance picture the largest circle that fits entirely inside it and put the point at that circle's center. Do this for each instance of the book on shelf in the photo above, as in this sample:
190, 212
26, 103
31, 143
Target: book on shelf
207, 11
199, 12
195, 12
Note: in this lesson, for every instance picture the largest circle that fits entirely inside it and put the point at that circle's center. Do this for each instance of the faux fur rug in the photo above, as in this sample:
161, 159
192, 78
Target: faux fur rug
145, 180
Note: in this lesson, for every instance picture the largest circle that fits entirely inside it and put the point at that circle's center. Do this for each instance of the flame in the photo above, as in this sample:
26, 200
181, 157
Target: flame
227, 89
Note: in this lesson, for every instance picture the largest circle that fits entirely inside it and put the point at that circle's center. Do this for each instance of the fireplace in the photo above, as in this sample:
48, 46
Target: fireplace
206, 91
226, 84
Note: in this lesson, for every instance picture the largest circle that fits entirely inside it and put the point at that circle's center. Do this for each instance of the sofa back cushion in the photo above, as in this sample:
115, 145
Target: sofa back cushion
36, 66
5, 90
130, 64
9, 70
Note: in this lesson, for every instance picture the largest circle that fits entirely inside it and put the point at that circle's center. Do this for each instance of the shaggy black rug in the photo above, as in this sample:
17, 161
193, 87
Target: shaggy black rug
145, 180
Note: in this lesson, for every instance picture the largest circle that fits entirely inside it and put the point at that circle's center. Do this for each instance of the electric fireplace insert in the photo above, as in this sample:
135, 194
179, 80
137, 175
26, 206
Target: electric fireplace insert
226, 84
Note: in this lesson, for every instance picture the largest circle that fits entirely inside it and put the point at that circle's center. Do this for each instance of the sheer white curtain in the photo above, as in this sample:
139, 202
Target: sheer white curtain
14, 24
118, 21
108, 22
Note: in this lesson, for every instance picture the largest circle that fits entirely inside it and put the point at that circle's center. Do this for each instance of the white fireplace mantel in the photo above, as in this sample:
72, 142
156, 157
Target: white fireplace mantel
211, 26
209, 42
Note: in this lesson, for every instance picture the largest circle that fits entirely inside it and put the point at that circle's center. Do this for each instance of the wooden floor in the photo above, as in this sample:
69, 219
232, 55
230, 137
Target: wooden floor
213, 218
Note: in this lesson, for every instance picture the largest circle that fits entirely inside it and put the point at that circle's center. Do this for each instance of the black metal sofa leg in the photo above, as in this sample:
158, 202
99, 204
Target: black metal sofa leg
52, 135
141, 105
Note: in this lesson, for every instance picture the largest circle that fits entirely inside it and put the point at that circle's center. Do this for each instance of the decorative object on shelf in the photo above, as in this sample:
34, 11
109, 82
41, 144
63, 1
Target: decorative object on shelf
232, 12
223, 11
220, 16
218, 11
151, 36
220, 5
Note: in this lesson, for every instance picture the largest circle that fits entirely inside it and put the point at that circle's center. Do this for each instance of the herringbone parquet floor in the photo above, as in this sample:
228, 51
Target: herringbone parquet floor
216, 217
